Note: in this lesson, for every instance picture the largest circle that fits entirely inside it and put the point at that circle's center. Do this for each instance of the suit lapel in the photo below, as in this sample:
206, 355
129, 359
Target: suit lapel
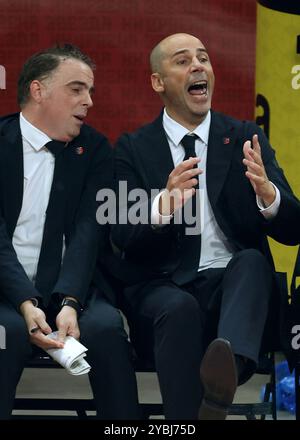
156, 152
12, 173
221, 143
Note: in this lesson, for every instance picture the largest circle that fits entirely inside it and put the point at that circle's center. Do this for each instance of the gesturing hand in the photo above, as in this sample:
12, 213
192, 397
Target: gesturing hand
256, 172
180, 186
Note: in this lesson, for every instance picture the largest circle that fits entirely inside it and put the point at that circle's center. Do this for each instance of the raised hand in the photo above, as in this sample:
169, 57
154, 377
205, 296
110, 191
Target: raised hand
256, 172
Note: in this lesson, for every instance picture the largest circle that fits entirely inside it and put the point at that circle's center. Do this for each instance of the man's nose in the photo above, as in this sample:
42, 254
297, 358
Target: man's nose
196, 64
88, 101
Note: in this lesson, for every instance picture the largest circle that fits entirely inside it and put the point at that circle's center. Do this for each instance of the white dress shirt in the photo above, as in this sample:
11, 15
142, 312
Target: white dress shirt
38, 175
215, 248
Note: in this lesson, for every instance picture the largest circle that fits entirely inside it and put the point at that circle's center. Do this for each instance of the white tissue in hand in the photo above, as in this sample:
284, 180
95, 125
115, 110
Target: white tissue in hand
70, 356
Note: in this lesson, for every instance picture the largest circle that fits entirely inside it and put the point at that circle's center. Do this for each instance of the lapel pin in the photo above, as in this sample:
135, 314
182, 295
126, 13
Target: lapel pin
226, 141
79, 150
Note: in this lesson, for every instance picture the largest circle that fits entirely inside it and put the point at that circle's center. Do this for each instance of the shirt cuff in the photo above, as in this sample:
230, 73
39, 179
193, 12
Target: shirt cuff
271, 211
157, 219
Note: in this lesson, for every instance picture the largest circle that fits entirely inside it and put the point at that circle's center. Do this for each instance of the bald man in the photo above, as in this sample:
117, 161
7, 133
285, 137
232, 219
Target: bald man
199, 273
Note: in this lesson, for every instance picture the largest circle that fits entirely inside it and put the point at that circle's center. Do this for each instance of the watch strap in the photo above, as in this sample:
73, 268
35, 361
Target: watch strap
71, 303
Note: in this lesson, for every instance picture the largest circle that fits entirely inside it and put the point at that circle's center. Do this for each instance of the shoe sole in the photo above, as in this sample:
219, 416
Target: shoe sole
219, 379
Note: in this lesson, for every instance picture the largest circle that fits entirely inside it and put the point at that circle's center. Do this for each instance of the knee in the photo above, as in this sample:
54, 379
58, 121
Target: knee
254, 271
15, 335
105, 329
254, 259
181, 310
251, 254
13, 323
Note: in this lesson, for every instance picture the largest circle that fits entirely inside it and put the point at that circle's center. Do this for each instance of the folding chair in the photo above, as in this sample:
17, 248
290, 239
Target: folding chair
82, 406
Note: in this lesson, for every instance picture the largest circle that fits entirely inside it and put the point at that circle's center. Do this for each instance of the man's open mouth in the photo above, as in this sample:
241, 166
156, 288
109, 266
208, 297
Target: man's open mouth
79, 117
198, 88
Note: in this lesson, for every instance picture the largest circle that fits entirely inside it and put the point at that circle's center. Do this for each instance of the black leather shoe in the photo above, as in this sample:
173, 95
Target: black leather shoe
219, 378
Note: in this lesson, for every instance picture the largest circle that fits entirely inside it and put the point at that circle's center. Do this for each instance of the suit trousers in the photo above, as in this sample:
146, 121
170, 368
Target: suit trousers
173, 325
112, 376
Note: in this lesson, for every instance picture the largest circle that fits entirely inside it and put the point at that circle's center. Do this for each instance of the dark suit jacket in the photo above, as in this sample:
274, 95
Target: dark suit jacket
143, 159
75, 185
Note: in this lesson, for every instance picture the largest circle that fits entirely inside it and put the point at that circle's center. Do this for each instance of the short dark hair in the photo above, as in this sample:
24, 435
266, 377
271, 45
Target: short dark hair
42, 64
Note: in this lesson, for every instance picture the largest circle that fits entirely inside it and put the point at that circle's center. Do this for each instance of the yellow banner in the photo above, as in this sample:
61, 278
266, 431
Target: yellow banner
278, 100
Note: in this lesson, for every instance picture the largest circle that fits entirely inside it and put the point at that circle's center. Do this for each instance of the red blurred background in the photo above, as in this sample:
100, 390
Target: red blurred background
119, 35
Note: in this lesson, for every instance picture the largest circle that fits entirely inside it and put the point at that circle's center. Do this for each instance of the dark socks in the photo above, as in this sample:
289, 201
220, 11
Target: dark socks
245, 368
240, 363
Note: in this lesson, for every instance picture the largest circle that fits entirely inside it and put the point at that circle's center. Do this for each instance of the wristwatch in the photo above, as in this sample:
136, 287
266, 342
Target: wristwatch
71, 303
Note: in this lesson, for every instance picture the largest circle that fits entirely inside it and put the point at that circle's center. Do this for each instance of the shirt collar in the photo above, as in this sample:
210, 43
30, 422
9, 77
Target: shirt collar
176, 132
35, 137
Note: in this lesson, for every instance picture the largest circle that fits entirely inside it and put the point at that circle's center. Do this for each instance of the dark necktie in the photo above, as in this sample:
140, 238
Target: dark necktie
56, 147
188, 142
49, 264
190, 244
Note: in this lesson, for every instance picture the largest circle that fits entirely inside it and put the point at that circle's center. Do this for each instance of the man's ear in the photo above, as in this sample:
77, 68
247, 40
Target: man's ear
36, 90
157, 83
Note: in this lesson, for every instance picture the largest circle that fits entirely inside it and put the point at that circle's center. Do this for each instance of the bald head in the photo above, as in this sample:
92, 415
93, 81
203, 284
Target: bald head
183, 77
161, 50
156, 58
